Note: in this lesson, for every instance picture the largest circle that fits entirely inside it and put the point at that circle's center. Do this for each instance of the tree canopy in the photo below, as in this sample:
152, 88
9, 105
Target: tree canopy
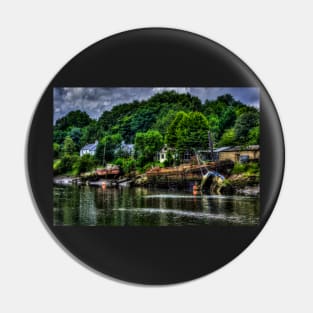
180, 120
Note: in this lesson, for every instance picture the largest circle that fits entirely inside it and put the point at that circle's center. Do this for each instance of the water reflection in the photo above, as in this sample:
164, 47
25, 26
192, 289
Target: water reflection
92, 206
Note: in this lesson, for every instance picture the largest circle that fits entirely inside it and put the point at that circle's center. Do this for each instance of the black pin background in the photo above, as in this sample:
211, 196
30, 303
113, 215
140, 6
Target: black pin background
155, 57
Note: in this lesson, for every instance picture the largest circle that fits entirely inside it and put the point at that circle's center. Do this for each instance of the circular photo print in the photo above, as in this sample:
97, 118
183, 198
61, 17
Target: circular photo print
155, 156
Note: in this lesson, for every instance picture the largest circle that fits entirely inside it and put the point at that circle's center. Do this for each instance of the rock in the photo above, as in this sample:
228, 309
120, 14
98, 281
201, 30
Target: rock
249, 191
141, 180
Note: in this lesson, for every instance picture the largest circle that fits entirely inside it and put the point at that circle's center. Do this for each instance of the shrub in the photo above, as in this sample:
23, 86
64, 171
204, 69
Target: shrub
249, 169
127, 165
83, 164
239, 168
64, 165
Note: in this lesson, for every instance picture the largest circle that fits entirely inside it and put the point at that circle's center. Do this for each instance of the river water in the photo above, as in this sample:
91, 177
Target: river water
93, 206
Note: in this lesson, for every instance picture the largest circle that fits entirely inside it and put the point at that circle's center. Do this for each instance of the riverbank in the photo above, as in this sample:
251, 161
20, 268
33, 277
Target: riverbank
241, 184
234, 184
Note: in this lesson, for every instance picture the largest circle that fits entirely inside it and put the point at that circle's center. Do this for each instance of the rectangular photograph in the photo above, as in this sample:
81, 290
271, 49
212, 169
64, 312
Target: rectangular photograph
156, 156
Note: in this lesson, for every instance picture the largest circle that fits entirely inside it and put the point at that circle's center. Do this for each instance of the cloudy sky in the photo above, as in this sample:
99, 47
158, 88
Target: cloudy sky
96, 100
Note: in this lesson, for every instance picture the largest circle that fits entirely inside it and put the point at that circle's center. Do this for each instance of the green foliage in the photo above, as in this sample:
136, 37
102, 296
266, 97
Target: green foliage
107, 148
58, 136
83, 164
170, 159
192, 132
64, 165
253, 168
171, 133
180, 120
68, 146
214, 126
254, 136
57, 166
149, 165
90, 133
228, 138
248, 169
147, 145
56, 150
74, 118
227, 119
100, 150
106, 120
239, 168
75, 133
165, 119
243, 124
127, 165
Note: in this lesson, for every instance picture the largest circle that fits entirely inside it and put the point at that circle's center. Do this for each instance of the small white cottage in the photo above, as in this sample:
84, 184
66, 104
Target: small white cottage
89, 149
127, 148
162, 154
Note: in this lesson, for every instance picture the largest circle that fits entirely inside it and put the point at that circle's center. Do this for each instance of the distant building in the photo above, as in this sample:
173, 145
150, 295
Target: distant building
162, 154
217, 151
89, 149
238, 153
127, 148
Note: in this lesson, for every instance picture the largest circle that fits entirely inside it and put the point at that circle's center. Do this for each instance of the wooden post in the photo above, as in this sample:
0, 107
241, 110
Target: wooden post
211, 145
104, 154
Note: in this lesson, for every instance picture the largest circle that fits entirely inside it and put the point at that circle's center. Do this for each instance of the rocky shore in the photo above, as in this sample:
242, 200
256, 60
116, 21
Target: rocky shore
238, 184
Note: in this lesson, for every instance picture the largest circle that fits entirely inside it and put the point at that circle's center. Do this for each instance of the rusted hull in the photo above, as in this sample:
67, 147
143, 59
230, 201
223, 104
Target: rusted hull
108, 173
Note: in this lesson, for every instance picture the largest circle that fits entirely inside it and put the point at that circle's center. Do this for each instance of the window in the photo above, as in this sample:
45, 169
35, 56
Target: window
186, 155
244, 158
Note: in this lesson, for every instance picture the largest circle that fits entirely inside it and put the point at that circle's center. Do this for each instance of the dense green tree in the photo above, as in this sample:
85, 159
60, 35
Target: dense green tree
254, 136
163, 121
59, 136
227, 119
171, 136
214, 126
127, 165
74, 118
56, 150
65, 164
124, 128
106, 120
192, 132
243, 124
76, 133
107, 148
68, 146
90, 133
83, 164
147, 145
228, 138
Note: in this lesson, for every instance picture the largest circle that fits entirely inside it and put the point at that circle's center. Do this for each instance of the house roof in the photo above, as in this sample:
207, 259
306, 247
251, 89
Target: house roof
90, 147
221, 149
239, 148
129, 146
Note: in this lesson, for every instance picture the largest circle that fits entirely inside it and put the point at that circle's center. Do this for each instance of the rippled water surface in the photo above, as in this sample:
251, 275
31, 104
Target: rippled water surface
92, 206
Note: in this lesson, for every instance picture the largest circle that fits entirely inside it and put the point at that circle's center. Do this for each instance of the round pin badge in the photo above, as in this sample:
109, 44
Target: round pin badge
155, 156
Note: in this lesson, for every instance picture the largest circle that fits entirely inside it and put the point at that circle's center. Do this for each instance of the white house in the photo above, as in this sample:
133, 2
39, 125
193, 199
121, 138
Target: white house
162, 154
127, 148
89, 149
